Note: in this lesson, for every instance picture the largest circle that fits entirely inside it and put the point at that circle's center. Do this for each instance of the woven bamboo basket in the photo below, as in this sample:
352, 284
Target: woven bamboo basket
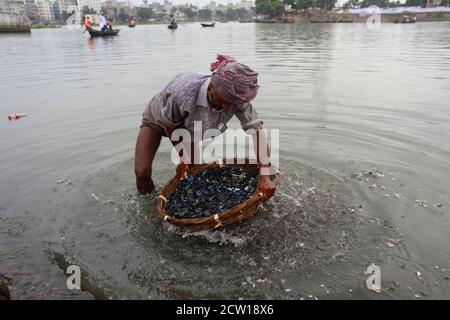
237, 213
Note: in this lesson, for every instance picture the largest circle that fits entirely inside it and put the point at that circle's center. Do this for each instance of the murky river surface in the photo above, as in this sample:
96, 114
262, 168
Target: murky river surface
364, 119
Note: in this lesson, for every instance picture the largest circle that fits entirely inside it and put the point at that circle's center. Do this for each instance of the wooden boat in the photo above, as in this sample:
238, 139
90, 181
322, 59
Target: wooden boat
208, 24
406, 19
98, 33
131, 22
172, 26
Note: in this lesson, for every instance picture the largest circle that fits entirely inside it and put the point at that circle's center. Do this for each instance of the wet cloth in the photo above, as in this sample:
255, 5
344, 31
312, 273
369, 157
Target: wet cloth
235, 82
185, 100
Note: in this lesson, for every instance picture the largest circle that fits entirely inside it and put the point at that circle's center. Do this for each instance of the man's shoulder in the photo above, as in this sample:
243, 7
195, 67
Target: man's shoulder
191, 77
186, 84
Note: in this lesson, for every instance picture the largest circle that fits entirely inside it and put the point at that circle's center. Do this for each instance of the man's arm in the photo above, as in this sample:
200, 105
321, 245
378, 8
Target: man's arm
265, 184
146, 146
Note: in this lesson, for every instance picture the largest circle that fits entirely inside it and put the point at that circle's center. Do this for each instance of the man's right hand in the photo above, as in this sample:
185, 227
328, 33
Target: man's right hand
144, 185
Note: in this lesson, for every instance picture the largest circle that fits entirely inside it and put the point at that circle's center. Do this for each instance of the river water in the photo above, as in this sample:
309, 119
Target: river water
364, 154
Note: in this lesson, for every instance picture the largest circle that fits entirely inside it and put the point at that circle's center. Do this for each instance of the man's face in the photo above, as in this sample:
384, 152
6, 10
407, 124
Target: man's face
218, 102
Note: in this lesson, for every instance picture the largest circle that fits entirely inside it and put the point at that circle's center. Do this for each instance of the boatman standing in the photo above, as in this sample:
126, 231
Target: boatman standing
212, 99
87, 23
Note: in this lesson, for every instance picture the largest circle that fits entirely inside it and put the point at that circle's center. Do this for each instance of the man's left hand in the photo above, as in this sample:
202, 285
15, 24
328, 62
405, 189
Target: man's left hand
266, 186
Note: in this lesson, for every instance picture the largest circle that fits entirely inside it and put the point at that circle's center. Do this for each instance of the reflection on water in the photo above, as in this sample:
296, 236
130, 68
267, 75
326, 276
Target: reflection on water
345, 99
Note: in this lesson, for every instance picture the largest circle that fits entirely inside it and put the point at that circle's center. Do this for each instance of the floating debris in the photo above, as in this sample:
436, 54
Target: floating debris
421, 203
66, 182
261, 280
390, 245
17, 116
372, 173
211, 191
419, 275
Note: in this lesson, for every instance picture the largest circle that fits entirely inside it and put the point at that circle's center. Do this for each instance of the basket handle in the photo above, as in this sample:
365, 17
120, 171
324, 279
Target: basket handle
219, 223
260, 200
163, 200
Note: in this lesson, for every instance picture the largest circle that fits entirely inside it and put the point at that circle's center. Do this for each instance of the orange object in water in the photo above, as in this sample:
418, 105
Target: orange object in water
16, 116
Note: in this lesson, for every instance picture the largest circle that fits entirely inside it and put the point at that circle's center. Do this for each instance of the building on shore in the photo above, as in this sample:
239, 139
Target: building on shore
12, 16
211, 6
95, 5
31, 10
66, 6
15, 7
44, 10
245, 4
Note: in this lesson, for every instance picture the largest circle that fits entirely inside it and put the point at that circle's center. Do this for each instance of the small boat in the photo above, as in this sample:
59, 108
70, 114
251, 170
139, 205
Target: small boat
172, 26
406, 19
208, 24
131, 22
98, 33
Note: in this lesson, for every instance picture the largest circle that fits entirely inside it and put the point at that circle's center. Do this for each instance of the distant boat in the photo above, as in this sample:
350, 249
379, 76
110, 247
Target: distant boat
208, 24
172, 26
131, 22
98, 33
406, 19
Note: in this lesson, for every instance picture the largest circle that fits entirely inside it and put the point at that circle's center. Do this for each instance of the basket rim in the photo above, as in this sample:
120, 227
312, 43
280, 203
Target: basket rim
217, 218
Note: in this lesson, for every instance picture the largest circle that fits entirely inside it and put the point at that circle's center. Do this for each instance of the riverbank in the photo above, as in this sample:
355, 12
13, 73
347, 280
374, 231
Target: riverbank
334, 17
42, 26
14, 28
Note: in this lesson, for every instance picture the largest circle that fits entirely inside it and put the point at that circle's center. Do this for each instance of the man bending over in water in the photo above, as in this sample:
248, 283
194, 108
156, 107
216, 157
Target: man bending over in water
213, 100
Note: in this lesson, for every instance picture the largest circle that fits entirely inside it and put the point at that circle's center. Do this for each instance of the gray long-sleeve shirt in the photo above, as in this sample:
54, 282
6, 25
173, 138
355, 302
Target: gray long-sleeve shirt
185, 100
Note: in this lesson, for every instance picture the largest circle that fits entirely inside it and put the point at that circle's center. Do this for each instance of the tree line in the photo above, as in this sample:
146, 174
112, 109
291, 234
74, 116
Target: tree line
275, 8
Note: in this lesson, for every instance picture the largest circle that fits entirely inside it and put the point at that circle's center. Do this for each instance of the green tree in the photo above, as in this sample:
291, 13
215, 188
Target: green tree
352, 4
395, 4
189, 12
220, 14
416, 3
87, 10
445, 3
122, 16
231, 14
327, 5
241, 13
144, 13
204, 14
55, 12
271, 8
305, 4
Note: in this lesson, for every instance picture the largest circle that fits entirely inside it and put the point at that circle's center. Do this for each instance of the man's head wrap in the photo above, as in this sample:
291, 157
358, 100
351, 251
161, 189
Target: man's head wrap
235, 82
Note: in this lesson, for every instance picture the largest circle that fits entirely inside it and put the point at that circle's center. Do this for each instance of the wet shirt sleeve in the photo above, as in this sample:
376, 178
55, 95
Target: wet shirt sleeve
248, 116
